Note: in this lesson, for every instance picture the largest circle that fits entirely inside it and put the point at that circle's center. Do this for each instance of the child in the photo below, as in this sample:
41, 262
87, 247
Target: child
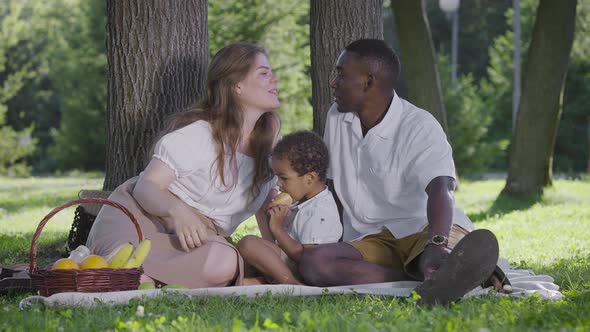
300, 161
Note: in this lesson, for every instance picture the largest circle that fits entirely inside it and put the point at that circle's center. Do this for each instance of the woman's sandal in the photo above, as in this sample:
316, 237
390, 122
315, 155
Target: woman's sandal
470, 264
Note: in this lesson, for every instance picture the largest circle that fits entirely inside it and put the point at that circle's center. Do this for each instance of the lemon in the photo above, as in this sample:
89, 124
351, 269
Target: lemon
94, 262
65, 264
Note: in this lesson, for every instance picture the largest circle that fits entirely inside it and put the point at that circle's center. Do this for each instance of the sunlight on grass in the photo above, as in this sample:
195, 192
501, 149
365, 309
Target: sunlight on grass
548, 234
547, 231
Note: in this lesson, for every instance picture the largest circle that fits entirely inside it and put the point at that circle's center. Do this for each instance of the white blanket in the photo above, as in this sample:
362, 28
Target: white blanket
524, 283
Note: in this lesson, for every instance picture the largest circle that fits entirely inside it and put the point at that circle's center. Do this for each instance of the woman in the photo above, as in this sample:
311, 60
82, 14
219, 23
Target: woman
209, 172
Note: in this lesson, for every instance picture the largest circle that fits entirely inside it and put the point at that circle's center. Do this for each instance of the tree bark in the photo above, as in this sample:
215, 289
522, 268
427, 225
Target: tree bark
531, 154
333, 25
418, 59
157, 58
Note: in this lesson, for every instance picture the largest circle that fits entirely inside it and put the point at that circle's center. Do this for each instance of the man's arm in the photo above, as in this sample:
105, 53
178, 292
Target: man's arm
439, 207
440, 220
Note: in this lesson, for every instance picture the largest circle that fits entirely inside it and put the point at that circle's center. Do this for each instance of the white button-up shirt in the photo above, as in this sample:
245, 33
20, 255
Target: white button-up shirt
190, 152
381, 178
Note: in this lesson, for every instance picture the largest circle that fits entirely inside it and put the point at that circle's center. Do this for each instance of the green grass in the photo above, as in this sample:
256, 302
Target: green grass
548, 234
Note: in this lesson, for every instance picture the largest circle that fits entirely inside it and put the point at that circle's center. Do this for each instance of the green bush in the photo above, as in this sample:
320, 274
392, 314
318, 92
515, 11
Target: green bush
468, 121
15, 145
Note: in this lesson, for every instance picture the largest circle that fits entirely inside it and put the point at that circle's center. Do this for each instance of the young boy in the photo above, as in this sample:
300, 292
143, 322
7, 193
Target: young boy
300, 161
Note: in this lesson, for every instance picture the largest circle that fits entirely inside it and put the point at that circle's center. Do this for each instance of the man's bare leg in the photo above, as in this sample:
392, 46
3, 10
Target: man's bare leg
340, 263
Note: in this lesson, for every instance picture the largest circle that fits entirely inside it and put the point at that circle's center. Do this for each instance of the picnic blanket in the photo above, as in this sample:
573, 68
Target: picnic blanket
524, 283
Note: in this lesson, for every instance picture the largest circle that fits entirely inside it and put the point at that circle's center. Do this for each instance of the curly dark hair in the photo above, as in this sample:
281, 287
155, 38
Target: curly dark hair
305, 151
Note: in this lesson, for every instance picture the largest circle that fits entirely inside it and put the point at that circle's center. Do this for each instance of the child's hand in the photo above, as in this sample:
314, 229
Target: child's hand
278, 215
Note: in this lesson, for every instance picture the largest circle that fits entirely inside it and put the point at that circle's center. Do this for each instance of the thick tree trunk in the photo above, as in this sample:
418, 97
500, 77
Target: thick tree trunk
417, 58
333, 25
540, 107
157, 58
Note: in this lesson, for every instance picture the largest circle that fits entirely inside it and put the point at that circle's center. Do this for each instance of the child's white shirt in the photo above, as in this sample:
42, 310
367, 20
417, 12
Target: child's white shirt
315, 221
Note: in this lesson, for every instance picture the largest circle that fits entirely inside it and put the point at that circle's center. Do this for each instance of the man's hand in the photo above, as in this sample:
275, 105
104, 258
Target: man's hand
432, 259
278, 215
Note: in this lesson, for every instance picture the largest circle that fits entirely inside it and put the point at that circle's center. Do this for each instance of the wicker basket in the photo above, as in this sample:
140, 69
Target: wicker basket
49, 281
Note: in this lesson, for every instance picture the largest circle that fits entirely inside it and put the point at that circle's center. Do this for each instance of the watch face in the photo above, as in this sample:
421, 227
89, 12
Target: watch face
438, 239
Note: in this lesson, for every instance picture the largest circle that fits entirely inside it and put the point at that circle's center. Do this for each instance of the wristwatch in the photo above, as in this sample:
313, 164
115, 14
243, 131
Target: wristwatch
439, 240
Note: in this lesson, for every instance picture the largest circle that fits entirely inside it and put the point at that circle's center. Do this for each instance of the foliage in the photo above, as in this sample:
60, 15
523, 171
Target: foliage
78, 71
15, 70
468, 120
559, 249
480, 22
53, 84
496, 89
283, 28
573, 137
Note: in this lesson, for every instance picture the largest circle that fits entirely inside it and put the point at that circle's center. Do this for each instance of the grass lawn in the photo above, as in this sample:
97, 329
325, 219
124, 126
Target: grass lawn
548, 234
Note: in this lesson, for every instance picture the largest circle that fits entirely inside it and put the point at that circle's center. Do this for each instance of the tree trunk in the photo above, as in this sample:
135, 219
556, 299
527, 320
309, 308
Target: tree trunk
531, 154
417, 58
157, 58
333, 25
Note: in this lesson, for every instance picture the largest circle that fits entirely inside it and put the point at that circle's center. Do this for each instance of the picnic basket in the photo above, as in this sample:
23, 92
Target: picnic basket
48, 281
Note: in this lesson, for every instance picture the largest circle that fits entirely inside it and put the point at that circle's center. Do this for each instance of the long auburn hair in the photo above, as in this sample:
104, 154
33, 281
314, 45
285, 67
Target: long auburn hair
222, 110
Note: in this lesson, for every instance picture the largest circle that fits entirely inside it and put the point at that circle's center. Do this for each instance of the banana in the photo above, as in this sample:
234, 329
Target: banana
121, 256
139, 255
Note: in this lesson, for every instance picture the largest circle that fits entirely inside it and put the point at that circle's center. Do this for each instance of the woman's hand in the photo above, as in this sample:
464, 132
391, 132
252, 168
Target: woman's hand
190, 229
278, 215
152, 194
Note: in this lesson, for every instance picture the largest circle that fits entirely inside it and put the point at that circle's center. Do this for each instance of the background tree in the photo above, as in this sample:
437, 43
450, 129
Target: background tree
157, 57
333, 25
541, 102
15, 70
417, 58
78, 62
282, 27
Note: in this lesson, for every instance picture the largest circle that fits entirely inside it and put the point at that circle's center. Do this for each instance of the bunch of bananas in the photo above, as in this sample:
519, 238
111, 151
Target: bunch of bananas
127, 257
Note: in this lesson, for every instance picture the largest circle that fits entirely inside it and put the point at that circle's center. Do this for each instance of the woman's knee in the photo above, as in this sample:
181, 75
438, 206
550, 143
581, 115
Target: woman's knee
221, 266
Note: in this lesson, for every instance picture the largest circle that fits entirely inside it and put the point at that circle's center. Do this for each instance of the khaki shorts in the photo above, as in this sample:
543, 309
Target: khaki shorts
384, 249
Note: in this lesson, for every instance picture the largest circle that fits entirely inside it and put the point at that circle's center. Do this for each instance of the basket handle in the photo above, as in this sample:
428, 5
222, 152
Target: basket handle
33, 266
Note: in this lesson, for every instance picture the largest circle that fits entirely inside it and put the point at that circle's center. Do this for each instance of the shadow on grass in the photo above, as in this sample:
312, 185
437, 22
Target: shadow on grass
16, 249
505, 204
50, 200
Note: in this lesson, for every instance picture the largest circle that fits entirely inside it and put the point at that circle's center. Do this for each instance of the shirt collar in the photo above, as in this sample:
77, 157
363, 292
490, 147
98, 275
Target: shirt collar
388, 125
318, 196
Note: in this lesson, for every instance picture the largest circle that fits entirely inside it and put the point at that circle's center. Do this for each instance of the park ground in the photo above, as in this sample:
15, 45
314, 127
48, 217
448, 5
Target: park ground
548, 234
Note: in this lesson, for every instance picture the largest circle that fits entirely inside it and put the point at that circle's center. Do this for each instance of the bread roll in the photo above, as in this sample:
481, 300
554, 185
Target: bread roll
282, 198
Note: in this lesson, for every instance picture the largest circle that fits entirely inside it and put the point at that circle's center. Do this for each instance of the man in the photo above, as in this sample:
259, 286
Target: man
393, 172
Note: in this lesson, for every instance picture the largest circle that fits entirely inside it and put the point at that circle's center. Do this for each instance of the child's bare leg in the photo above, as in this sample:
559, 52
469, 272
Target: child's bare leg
254, 281
265, 256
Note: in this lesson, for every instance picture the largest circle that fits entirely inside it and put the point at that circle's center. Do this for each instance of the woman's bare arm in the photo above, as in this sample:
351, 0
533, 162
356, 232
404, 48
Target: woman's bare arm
152, 194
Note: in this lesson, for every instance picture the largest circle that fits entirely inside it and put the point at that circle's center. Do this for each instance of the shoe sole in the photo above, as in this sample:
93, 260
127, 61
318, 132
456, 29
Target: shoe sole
470, 264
